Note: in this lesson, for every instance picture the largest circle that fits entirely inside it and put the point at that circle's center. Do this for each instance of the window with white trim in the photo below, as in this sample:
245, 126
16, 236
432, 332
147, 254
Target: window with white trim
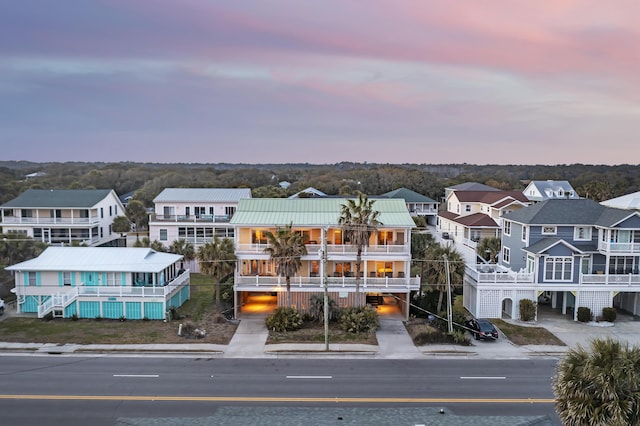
467, 208
32, 278
549, 230
507, 227
558, 268
506, 254
163, 235
524, 233
114, 279
66, 278
581, 233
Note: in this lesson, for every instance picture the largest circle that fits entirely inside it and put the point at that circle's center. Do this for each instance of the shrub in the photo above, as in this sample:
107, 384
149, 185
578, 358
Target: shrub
48, 317
98, 318
609, 314
527, 310
584, 314
316, 308
74, 317
188, 328
123, 318
437, 337
284, 319
358, 319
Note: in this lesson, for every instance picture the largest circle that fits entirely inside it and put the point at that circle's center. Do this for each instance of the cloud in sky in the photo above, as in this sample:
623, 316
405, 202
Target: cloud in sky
403, 81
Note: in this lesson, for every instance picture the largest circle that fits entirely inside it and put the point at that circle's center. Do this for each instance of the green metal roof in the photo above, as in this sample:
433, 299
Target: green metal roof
313, 212
62, 198
408, 195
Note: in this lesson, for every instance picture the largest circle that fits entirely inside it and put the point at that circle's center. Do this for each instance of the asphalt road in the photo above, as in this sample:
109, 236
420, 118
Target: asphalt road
73, 390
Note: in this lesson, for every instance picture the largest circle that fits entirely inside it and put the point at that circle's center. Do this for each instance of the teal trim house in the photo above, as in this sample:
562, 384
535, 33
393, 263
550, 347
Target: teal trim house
106, 282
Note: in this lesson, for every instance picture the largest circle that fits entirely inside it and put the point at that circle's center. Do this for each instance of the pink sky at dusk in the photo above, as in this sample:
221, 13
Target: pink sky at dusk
507, 82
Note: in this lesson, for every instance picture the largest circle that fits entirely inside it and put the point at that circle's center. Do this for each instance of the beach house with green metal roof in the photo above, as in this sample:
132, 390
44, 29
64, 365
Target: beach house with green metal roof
63, 216
417, 204
385, 263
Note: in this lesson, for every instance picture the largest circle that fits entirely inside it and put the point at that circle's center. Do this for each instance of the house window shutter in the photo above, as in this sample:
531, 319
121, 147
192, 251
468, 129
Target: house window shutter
60, 279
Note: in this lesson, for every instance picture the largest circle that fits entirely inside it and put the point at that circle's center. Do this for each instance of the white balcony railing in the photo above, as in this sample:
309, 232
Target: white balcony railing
159, 217
619, 247
13, 220
61, 300
492, 273
610, 279
264, 283
333, 249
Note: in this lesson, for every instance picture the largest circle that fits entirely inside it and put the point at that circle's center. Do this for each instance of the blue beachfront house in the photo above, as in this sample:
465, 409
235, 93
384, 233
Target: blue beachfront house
107, 282
573, 252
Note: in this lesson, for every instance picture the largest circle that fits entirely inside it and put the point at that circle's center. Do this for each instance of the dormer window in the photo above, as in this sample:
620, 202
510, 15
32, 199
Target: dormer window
548, 230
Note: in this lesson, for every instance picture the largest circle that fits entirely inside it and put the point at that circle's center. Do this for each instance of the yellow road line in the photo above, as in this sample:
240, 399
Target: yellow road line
280, 399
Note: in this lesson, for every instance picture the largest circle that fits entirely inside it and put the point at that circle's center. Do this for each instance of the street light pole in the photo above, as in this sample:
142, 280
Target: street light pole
449, 307
326, 288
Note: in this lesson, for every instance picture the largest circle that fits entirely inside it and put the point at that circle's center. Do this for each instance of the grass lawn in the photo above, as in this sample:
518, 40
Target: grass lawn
312, 332
525, 335
199, 310
423, 334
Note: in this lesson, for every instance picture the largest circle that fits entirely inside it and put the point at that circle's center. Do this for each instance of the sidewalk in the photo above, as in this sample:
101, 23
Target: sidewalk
249, 341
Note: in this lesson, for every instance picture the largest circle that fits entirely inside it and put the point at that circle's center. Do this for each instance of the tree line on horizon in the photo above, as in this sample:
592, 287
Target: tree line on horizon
146, 180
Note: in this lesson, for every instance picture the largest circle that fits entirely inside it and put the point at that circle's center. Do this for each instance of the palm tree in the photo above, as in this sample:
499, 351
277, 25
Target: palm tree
489, 249
286, 247
599, 385
359, 220
183, 248
419, 244
436, 271
218, 260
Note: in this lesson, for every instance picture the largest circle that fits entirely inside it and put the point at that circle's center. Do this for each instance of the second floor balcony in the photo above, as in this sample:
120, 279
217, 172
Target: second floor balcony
299, 283
493, 273
333, 249
619, 248
192, 218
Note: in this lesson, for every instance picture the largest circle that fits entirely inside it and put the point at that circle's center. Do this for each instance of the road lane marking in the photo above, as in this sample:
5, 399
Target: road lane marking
482, 378
137, 375
309, 377
281, 399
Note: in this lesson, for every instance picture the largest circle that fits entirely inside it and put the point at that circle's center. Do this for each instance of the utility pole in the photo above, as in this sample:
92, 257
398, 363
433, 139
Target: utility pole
449, 307
325, 284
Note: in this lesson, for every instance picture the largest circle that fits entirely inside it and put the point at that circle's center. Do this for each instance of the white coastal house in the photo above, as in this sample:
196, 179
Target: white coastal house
105, 282
195, 215
63, 216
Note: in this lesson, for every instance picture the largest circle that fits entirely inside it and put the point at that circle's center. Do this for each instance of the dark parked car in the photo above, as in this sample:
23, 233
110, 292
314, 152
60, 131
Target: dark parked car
482, 329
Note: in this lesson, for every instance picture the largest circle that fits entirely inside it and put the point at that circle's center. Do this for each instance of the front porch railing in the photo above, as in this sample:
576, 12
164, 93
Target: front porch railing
492, 273
610, 279
267, 283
